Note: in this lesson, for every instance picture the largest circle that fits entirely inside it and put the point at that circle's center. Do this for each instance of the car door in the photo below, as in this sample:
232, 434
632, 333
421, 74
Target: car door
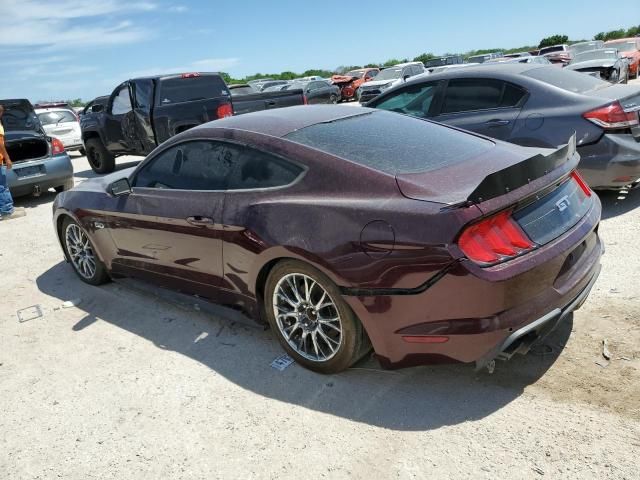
486, 106
143, 134
256, 177
119, 121
169, 229
314, 93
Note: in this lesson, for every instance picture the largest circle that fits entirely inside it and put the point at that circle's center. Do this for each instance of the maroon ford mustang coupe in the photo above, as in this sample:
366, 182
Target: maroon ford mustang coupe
350, 228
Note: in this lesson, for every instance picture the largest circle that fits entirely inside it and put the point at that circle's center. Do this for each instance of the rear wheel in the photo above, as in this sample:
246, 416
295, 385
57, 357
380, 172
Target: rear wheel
333, 99
100, 159
82, 255
311, 320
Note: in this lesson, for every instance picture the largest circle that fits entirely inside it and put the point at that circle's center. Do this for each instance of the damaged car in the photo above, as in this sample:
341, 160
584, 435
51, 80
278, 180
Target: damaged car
629, 48
39, 161
349, 82
605, 63
233, 208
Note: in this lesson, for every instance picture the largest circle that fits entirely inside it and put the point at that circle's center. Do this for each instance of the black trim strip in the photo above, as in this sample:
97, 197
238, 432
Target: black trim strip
377, 292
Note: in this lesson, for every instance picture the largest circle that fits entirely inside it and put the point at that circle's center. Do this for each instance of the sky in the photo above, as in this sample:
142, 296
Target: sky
68, 49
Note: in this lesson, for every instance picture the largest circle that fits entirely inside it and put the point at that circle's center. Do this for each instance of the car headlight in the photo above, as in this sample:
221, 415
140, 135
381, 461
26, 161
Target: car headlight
386, 85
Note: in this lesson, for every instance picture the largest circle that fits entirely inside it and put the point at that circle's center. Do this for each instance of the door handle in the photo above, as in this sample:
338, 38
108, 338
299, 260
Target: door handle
198, 220
496, 122
271, 103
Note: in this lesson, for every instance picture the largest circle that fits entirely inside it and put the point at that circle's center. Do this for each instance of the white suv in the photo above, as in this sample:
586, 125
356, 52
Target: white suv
389, 77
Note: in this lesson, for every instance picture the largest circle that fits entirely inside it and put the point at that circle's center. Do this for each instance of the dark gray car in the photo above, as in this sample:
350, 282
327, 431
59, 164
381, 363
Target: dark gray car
317, 91
534, 105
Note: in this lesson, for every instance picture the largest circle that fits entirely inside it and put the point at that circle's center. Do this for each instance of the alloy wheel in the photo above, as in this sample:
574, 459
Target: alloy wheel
307, 317
80, 251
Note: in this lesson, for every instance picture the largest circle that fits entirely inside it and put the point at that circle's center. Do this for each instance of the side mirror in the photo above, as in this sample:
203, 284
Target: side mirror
406, 77
120, 187
97, 108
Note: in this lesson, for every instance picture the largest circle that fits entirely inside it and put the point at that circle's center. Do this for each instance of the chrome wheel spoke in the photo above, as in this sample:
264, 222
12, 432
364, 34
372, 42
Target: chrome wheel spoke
297, 303
80, 251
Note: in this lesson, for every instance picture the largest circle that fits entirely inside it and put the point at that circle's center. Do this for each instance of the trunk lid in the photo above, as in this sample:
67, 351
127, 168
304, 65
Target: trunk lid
505, 173
19, 116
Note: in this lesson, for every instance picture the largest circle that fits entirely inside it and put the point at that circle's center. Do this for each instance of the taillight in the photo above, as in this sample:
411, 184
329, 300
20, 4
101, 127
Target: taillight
494, 239
56, 146
581, 183
612, 116
224, 110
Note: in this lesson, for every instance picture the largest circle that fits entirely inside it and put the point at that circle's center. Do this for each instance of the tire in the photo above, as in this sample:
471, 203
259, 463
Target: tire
68, 185
340, 340
333, 99
82, 151
100, 159
71, 241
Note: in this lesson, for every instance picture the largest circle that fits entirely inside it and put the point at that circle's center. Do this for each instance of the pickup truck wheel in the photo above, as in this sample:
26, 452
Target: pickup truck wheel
100, 159
82, 151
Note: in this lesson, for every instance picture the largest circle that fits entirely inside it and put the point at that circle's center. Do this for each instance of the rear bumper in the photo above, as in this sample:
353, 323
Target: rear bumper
612, 162
55, 171
475, 313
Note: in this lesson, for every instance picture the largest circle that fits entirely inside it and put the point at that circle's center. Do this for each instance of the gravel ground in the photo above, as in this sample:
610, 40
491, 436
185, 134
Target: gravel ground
124, 385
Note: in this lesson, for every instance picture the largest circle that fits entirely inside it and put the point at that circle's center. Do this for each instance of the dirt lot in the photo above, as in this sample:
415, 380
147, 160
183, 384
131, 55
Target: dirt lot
123, 385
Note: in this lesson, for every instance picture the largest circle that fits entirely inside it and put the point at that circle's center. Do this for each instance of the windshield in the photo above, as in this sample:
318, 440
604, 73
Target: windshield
54, 118
569, 80
595, 55
392, 143
585, 47
16, 118
389, 74
355, 73
296, 85
186, 89
242, 90
559, 48
623, 46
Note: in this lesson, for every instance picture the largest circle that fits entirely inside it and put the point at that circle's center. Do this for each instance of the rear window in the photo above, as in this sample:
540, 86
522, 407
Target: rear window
187, 89
392, 143
569, 80
53, 118
559, 48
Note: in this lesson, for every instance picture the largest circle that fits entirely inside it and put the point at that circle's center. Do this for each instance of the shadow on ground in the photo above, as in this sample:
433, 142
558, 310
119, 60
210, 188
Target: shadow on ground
31, 201
618, 203
420, 398
119, 166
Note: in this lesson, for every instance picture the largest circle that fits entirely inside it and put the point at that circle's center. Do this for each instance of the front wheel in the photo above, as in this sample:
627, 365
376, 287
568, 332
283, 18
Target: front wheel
333, 99
82, 255
311, 320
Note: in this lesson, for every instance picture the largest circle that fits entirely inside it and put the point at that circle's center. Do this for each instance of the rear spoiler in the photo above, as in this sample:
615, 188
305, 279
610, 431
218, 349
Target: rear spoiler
520, 174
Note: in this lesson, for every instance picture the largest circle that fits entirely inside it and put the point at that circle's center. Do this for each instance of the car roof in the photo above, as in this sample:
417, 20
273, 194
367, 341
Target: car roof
282, 121
486, 70
53, 109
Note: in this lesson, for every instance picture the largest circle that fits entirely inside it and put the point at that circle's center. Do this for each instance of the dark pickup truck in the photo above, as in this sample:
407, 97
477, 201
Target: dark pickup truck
142, 113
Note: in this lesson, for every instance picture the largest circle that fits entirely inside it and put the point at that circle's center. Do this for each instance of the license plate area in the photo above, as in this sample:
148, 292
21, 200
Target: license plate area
31, 171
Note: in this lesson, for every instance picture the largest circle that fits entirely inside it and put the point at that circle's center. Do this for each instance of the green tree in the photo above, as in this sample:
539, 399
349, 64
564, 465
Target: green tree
613, 34
599, 36
633, 31
553, 40
391, 62
424, 57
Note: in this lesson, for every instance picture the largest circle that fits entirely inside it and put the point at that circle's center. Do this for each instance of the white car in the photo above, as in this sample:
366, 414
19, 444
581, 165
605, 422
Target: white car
63, 124
389, 77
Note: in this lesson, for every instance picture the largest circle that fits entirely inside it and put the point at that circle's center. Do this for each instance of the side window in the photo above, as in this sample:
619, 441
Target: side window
258, 169
417, 70
370, 74
196, 165
121, 102
465, 95
142, 93
415, 100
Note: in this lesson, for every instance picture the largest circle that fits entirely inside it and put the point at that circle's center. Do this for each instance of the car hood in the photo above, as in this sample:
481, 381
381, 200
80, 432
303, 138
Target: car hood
597, 63
101, 184
378, 83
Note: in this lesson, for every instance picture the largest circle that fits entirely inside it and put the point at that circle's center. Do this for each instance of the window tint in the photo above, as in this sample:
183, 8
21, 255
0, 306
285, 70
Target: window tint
463, 95
121, 102
566, 79
257, 169
197, 165
53, 118
414, 100
417, 70
186, 89
143, 94
392, 143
